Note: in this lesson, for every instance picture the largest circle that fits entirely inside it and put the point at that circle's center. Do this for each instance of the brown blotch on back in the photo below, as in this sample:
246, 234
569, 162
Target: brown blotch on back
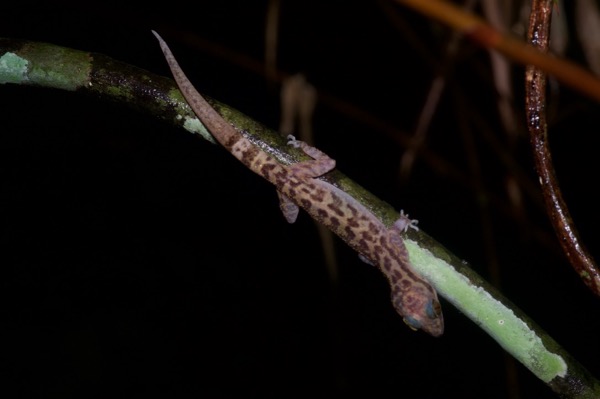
281, 177
407, 270
367, 236
363, 246
349, 233
383, 242
317, 195
336, 204
387, 263
373, 228
352, 222
249, 155
266, 169
353, 210
231, 141
333, 221
306, 204
291, 193
295, 183
335, 208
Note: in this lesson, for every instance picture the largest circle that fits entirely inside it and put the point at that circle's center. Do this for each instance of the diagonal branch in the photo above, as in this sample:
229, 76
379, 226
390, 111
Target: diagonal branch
535, 106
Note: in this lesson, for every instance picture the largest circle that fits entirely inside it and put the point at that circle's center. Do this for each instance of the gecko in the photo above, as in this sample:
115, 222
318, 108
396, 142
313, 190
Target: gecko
298, 186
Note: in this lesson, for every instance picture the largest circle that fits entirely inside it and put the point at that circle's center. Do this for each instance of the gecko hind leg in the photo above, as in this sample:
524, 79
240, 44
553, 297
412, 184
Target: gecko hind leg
320, 164
288, 208
366, 260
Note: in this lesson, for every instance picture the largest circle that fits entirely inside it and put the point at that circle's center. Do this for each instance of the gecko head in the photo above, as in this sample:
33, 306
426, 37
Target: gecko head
422, 313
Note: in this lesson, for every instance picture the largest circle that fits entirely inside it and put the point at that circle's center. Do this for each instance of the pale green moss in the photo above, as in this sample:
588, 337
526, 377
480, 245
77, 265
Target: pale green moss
193, 125
46, 65
500, 322
190, 123
58, 67
120, 92
13, 69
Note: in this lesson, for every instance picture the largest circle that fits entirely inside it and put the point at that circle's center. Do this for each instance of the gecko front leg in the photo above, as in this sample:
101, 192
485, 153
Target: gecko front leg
288, 208
404, 223
320, 165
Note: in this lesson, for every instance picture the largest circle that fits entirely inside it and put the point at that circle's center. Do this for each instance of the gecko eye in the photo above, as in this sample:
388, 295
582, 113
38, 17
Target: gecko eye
431, 309
412, 323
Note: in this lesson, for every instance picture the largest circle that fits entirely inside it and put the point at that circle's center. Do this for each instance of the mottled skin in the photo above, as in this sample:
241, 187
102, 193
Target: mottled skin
413, 297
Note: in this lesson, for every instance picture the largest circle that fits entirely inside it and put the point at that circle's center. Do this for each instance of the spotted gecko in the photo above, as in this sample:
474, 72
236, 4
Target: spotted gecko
298, 186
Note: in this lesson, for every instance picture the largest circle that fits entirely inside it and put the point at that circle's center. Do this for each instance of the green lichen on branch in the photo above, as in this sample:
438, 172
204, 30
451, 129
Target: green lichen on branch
13, 69
512, 331
45, 65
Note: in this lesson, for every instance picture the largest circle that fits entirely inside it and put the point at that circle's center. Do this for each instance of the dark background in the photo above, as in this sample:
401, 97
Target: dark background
139, 260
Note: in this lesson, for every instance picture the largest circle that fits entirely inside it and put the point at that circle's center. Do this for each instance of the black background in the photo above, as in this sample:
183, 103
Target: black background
138, 260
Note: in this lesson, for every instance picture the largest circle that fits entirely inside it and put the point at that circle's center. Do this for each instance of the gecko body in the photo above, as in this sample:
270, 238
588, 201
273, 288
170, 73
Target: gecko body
298, 186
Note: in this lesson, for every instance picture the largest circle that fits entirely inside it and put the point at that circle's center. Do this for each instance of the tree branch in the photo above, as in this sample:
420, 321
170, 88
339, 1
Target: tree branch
45, 65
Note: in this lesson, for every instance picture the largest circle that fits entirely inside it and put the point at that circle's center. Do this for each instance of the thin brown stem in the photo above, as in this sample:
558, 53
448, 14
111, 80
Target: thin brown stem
475, 28
535, 107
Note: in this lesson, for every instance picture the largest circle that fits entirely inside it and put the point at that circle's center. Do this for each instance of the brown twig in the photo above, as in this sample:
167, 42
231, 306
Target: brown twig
431, 103
535, 107
566, 72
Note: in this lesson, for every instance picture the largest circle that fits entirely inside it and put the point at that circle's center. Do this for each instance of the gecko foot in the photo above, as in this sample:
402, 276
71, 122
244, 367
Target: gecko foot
366, 260
404, 222
320, 164
292, 141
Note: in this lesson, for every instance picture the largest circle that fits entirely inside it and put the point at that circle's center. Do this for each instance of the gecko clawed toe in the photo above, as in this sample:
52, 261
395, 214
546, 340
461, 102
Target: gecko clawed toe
404, 222
292, 141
